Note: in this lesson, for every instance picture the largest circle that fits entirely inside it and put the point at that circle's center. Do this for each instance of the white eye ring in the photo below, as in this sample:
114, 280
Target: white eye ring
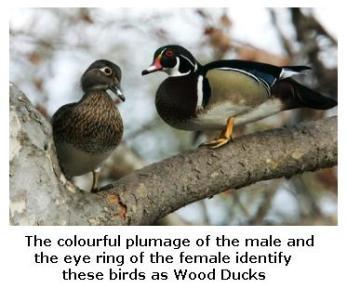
106, 70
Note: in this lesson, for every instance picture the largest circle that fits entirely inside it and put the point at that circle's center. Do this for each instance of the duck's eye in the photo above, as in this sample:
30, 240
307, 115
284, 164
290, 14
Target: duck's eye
106, 70
169, 53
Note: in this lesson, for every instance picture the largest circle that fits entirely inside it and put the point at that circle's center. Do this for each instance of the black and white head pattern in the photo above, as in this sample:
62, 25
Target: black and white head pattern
174, 60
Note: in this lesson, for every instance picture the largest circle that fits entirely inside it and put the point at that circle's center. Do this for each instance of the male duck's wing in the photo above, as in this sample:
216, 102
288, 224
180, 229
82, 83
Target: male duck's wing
263, 73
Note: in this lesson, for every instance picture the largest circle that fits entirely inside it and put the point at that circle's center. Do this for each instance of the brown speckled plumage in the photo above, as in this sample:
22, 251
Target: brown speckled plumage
86, 132
100, 126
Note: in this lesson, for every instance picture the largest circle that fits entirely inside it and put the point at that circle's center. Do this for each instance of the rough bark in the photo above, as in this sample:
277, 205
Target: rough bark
39, 193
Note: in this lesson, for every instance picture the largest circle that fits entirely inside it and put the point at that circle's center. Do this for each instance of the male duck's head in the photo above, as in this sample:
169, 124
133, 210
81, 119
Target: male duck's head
175, 60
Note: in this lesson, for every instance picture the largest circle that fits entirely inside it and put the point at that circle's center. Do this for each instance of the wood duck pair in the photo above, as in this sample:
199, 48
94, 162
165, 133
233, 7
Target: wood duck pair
215, 96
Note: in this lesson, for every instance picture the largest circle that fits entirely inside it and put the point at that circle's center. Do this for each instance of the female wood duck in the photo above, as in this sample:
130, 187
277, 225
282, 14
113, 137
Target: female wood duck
86, 132
224, 93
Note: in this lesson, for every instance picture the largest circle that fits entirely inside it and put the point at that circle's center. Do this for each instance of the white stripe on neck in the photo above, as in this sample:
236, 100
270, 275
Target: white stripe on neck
200, 92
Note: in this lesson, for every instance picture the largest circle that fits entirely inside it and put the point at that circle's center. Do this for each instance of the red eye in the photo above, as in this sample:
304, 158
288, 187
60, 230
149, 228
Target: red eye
169, 53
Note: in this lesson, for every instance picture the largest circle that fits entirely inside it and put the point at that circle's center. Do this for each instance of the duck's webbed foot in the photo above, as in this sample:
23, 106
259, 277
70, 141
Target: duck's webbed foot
224, 137
96, 175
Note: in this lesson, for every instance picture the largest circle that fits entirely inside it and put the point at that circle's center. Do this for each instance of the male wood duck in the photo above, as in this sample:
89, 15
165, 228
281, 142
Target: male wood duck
86, 132
225, 93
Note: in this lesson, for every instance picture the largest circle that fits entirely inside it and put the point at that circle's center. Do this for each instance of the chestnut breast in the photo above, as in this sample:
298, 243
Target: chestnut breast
176, 99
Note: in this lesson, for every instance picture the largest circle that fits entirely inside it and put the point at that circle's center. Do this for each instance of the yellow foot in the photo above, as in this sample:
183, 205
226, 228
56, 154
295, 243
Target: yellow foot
225, 136
96, 175
216, 143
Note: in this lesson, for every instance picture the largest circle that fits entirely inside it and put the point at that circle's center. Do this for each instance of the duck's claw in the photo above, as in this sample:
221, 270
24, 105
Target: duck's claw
225, 136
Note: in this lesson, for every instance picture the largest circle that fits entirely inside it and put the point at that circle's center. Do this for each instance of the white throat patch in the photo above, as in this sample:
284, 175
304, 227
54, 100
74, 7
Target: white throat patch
174, 71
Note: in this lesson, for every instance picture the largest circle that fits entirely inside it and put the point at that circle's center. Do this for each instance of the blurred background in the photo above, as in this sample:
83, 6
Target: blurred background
50, 49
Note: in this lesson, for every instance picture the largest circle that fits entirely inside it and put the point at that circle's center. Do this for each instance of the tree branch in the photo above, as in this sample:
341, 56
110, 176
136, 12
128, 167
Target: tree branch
148, 194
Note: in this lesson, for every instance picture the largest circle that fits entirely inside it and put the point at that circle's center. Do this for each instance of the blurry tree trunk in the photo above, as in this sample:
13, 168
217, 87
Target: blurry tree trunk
39, 193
